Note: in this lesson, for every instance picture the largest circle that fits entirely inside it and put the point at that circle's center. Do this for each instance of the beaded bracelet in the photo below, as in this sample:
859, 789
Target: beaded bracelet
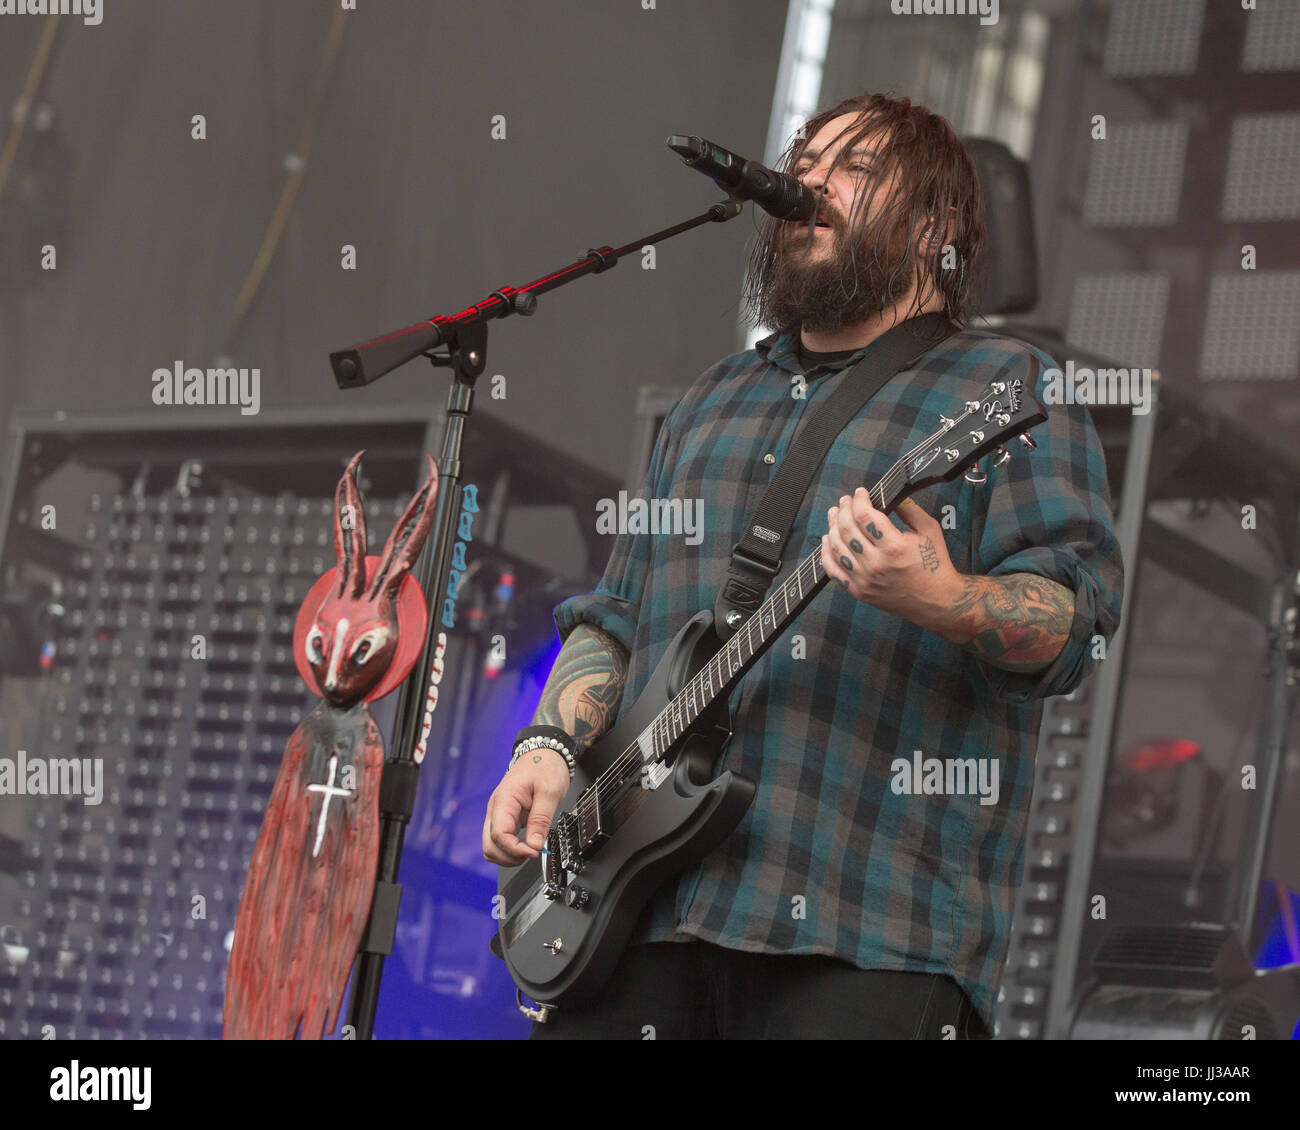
545, 737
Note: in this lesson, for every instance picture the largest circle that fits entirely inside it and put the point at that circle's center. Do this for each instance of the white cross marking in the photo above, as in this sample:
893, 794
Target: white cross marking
330, 792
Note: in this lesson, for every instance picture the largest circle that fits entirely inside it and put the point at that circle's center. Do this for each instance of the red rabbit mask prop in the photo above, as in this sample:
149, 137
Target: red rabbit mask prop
307, 894
353, 638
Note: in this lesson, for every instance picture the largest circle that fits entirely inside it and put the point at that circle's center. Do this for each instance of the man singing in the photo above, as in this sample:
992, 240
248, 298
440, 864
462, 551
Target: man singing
848, 903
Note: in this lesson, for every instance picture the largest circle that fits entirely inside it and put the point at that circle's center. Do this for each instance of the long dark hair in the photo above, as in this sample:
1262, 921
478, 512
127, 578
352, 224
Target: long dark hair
933, 178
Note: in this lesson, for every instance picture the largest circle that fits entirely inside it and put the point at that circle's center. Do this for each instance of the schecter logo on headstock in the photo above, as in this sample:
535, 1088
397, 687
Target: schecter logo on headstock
993, 409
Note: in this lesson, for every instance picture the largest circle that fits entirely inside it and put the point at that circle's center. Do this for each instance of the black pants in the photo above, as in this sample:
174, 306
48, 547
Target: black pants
698, 991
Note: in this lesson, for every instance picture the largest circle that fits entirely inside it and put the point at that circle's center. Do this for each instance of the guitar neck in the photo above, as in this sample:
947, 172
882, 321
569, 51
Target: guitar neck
747, 646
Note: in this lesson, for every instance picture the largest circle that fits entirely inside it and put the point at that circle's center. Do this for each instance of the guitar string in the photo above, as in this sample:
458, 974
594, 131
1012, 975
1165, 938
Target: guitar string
630, 756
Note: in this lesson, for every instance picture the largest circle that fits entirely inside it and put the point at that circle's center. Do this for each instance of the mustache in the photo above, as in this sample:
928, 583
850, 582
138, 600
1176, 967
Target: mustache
795, 230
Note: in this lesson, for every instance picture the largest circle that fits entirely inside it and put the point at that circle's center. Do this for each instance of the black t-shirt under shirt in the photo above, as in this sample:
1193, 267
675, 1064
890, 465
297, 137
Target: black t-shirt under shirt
811, 359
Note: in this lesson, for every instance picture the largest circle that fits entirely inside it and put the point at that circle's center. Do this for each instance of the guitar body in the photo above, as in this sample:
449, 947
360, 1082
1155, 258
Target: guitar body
561, 949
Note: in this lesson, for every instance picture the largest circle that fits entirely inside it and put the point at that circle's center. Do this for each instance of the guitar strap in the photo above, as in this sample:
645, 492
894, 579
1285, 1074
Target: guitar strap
756, 558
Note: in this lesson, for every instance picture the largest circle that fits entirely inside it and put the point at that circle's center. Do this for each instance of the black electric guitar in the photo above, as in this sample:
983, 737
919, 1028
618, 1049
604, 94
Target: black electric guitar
644, 804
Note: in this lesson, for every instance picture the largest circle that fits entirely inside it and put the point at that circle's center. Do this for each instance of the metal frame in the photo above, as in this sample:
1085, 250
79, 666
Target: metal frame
1096, 759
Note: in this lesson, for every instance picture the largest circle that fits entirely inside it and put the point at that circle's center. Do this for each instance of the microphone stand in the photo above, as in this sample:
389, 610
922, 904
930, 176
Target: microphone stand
465, 337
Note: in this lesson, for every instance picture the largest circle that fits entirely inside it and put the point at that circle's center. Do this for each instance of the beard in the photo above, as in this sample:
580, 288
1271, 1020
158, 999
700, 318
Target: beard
826, 288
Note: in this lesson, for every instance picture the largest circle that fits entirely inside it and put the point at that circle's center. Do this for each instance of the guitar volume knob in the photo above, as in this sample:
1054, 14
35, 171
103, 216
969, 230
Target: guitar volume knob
576, 897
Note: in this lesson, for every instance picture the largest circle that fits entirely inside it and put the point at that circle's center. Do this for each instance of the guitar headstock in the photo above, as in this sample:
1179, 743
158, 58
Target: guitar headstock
1006, 410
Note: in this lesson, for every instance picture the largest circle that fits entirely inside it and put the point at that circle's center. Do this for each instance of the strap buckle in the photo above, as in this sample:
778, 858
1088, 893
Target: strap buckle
747, 594
753, 563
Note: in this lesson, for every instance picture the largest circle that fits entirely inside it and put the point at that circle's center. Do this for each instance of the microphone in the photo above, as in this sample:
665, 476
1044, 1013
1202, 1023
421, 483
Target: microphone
777, 193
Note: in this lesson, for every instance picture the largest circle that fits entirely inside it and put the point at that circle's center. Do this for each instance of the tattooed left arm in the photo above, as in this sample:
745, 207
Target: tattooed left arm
1019, 622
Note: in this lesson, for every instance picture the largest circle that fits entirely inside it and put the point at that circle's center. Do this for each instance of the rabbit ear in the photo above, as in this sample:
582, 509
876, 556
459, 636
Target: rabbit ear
407, 539
350, 532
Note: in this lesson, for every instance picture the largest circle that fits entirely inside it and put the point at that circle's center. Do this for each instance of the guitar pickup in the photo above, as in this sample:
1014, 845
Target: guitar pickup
590, 821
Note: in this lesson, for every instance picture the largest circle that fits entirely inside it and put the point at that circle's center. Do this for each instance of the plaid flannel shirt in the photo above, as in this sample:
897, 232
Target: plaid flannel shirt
830, 859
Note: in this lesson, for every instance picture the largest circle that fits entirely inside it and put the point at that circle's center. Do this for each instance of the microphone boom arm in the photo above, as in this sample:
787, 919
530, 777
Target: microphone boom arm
365, 363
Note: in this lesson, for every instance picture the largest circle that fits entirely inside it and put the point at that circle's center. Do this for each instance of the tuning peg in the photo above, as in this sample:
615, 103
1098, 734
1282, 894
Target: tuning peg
1001, 457
975, 476
1027, 441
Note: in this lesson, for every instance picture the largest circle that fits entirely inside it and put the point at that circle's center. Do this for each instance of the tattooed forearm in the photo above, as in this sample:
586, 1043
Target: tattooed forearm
585, 687
1019, 622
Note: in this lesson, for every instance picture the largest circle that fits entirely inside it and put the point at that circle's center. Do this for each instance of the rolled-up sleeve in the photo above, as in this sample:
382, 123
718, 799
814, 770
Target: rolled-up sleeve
1048, 513
614, 605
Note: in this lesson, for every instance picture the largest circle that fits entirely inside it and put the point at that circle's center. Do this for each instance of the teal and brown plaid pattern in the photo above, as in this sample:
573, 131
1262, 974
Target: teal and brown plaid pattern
830, 858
